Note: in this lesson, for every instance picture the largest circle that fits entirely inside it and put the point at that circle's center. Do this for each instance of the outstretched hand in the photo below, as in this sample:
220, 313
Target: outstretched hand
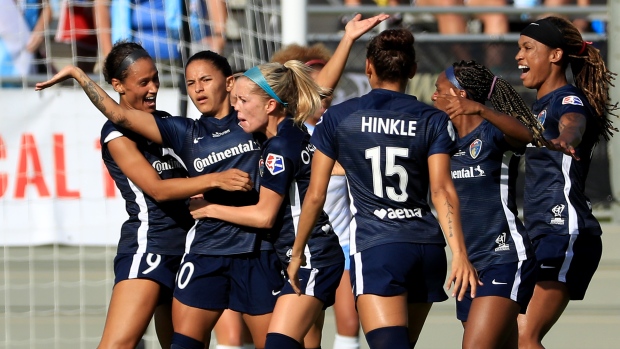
64, 74
357, 26
234, 180
455, 105
563, 147
293, 272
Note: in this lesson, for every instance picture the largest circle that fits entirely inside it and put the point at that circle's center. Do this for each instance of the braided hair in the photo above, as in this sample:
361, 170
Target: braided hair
482, 85
590, 74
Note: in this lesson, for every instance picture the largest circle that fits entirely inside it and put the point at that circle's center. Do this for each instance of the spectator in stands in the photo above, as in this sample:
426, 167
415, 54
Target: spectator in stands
394, 20
158, 28
453, 23
18, 49
581, 23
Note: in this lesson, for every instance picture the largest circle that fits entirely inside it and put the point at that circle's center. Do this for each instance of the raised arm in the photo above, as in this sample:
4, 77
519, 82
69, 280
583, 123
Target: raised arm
446, 202
135, 120
311, 208
261, 215
331, 73
135, 166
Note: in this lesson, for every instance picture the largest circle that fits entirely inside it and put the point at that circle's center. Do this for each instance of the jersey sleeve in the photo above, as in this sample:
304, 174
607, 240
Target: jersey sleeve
174, 131
110, 132
443, 136
324, 135
278, 167
570, 104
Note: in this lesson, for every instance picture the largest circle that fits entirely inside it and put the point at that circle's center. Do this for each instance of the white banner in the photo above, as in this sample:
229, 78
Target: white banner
54, 187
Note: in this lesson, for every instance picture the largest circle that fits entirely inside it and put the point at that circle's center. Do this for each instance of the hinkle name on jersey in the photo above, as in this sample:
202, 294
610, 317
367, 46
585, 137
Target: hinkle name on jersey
171, 164
469, 172
389, 126
200, 164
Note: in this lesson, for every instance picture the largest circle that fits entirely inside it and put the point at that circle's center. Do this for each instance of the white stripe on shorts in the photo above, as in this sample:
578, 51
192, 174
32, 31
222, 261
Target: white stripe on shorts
359, 276
135, 266
311, 282
568, 259
515, 285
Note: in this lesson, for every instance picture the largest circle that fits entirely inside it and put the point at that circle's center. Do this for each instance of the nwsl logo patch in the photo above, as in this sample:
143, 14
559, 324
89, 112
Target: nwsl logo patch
574, 100
542, 116
274, 163
474, 148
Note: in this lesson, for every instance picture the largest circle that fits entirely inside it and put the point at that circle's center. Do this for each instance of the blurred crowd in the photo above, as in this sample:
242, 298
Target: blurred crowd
90, 27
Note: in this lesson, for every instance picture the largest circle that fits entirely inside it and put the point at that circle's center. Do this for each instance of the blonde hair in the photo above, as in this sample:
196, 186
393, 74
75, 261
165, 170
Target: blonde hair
302, 53
292, 83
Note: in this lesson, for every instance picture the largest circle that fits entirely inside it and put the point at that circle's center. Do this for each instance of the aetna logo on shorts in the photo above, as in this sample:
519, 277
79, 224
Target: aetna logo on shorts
200, 164
161, 166
399, 213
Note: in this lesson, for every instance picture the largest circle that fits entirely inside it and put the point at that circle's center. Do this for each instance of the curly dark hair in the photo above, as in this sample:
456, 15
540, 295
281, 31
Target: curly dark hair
590, 73
477, 81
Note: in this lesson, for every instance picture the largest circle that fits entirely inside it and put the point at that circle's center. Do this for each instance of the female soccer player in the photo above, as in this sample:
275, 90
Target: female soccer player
337, 202
275, 100
225, 265
392, 148
155, 188
484, 171
558, 215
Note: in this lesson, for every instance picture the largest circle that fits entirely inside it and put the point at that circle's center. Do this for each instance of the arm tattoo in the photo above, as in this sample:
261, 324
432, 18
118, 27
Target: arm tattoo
449, 217
91, 91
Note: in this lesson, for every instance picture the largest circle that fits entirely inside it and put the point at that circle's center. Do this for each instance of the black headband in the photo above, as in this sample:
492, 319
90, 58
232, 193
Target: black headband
545, 32
129, 60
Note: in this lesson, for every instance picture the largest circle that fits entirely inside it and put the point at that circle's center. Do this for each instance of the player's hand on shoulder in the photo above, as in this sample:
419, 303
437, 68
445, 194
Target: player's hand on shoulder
463, 275
234, 180
64, 74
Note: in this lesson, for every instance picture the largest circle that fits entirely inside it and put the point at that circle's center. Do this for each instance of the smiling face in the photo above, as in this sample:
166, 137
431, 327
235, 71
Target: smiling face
535, 61
208, 88
252, 108
139, 88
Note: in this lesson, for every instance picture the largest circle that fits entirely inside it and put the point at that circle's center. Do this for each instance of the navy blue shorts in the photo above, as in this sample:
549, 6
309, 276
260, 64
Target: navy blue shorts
571, 259
246, 283
393, 269
320, 283
156, 267
514, 281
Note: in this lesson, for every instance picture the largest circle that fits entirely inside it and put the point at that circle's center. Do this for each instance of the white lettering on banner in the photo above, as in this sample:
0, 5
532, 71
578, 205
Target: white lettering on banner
54, 187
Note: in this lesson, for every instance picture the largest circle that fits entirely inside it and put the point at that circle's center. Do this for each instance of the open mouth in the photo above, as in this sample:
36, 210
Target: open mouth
524, 70
150, 101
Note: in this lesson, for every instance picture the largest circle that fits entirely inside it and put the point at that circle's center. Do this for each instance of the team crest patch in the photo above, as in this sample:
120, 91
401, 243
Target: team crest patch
542, 116
274, 163
574, 100
261, 166
474, 148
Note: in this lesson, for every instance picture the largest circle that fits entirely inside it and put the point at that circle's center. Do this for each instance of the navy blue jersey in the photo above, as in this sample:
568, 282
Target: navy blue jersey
554, 198
484, 171
285, 169
383, 141
152, 227
210, 145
